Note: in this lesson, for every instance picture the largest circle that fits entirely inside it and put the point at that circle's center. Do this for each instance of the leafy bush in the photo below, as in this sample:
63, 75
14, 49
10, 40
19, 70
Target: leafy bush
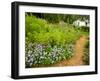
86, 54
84, 28
38, 30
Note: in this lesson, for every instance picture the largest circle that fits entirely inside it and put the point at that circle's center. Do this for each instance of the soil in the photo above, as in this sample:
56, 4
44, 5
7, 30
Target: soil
77, 59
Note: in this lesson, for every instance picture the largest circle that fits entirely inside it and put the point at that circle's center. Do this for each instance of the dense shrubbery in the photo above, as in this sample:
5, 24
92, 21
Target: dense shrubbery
38, 30
56, 18
48, 43
86, 54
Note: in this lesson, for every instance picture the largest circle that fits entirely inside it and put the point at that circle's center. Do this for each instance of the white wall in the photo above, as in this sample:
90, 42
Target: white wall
5, 40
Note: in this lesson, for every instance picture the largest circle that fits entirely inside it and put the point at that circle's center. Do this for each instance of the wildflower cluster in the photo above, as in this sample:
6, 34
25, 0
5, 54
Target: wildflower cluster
39, 54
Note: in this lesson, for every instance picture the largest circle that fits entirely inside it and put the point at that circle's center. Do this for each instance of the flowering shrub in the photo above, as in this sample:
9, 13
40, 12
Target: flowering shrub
44, 55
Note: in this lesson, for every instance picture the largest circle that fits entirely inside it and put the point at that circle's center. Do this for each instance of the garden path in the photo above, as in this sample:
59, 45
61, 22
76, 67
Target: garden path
77, 59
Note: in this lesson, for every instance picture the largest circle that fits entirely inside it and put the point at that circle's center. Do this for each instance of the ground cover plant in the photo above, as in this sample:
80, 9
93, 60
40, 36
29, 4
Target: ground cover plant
50, 38
86, 53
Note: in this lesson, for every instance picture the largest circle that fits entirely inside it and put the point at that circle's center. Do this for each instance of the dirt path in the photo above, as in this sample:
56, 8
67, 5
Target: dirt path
77, 58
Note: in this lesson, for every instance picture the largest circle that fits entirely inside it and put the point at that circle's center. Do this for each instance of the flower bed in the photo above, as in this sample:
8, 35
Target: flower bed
38, 54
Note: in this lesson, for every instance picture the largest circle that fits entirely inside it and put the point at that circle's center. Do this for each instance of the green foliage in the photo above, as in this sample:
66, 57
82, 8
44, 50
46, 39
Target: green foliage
45, 39
86, 54
56, 18
85, 29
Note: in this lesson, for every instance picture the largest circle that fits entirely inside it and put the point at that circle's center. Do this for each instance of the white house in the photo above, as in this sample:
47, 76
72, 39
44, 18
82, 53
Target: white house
80, 23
